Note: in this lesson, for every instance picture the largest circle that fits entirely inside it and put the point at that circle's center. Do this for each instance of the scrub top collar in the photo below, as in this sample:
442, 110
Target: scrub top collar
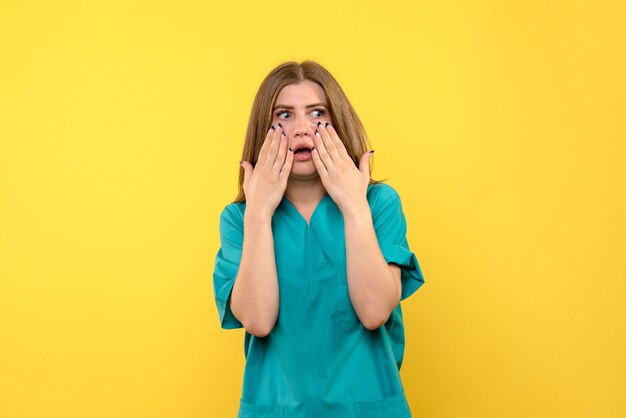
290, 207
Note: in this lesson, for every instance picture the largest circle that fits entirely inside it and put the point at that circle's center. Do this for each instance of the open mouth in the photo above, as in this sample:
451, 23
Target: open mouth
302, 154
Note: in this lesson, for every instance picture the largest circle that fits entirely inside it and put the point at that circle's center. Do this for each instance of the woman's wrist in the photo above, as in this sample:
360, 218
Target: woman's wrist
253, 215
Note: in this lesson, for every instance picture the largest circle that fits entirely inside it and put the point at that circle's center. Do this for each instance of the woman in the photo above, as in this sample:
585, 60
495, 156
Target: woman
314, 259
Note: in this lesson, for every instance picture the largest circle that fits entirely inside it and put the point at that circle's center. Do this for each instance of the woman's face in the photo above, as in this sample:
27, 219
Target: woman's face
299, 107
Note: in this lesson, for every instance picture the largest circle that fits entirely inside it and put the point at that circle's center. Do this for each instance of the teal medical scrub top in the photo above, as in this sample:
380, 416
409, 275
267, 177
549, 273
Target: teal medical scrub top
319, 361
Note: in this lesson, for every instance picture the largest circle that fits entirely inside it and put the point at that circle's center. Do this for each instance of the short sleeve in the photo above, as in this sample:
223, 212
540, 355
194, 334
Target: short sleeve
391, 229
227, 264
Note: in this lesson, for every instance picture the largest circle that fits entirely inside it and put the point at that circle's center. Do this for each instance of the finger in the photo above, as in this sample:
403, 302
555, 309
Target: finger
321, 168
282, 151
247, 171
274, 146
286, 169
339, 145
266, 143
320, 147
329, 144
364, 164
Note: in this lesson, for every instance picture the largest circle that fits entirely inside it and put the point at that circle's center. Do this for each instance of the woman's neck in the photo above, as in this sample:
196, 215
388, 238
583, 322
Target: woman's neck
304, 191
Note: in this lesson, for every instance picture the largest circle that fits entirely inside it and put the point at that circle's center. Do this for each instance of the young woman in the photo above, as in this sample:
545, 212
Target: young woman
314, 259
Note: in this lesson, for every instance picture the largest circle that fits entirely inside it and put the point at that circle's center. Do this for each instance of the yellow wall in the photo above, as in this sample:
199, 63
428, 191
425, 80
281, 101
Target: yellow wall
500, 124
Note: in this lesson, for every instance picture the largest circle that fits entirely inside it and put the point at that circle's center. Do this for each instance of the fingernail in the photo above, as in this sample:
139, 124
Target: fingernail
318, 124
290, 150
327, 124
280, 125
240, 162
372, 151
313, 148
273, 129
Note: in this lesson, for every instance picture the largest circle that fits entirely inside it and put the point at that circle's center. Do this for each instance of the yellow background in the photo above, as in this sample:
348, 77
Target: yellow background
501, 124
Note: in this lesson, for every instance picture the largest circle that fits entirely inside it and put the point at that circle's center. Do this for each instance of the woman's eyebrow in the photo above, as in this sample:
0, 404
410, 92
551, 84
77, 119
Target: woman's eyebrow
306, 107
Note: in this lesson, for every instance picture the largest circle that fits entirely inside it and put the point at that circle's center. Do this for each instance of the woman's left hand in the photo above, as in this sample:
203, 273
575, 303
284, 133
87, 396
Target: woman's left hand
345, 183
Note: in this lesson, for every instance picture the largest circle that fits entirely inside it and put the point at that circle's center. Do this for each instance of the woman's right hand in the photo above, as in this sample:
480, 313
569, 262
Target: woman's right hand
264, 184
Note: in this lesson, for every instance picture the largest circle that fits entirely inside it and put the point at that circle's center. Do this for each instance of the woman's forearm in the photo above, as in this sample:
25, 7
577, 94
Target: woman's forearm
255, 294
373, 286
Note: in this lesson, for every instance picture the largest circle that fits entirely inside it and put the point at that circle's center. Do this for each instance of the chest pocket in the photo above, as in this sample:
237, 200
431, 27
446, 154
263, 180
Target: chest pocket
342, 315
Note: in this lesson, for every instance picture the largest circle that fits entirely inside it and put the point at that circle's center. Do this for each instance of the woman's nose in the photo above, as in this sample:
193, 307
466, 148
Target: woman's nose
302, 127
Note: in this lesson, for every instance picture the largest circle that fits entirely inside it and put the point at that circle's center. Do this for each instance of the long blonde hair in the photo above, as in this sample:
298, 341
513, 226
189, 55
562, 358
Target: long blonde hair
343, 117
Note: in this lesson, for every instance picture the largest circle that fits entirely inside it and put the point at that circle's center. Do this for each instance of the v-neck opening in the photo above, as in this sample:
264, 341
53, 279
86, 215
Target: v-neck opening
293, 207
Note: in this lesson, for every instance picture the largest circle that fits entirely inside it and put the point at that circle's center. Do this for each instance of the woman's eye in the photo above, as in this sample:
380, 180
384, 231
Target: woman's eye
282, 112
